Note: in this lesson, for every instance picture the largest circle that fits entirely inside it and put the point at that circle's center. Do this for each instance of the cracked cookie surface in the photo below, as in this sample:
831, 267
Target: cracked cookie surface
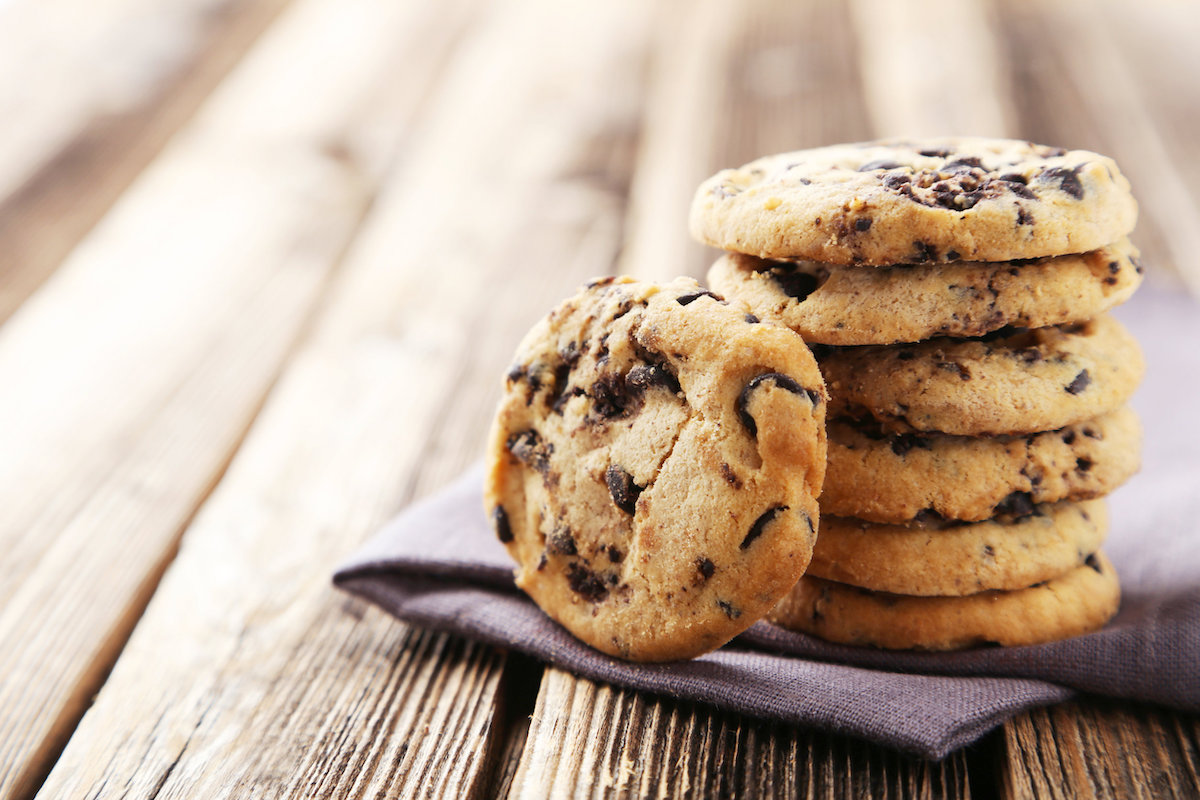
653, 467
1008, 382
897, 202
835, 305
896, 478
1079, 602
955, 559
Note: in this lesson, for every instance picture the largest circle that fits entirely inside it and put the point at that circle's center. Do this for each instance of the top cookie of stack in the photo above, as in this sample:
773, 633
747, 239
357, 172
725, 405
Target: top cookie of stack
1008, 233
977, 389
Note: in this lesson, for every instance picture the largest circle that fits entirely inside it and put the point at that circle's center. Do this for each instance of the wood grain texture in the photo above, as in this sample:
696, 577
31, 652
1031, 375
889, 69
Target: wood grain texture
94, 90
207, 270
590, 740
1089, 95
1102, 749
248, 674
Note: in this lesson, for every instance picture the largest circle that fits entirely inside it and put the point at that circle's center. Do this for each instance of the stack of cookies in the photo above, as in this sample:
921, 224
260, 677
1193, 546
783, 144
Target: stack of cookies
954, 292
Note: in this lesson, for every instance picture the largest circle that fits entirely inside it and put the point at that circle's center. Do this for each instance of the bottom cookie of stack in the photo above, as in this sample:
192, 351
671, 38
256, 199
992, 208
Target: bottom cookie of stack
946, 586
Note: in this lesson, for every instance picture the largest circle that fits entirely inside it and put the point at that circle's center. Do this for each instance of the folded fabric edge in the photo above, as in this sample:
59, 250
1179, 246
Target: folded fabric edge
472, 612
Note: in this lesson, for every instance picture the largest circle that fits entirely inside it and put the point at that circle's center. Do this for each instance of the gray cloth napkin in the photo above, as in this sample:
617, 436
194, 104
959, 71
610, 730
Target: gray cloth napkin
438, 565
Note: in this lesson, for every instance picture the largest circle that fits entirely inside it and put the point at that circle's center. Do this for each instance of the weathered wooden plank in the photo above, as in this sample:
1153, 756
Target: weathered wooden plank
131, 377
246, 676
1105, 749
91, 92
1089, 95
589, 740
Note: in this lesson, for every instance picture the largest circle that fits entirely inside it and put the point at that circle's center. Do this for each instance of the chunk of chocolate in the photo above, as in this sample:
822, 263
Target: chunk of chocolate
794, 282
731, 611
501, 525
780, 380
1017, 504
530, 450
624, 491
1081, 382
760, 524
1067, 179
586, 583
685, 299
705, 567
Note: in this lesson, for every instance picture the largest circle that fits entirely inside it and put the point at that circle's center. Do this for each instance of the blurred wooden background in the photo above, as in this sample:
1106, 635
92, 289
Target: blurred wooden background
261, 263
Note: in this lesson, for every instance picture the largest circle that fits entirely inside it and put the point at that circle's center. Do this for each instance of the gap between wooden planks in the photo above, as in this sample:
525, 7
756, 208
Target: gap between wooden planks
92, 91
132, 375
246, 675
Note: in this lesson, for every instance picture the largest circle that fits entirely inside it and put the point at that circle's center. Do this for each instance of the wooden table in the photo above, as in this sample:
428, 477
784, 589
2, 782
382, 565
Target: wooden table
262, 264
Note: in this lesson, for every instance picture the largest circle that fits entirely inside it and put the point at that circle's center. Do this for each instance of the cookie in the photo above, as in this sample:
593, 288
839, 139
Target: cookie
900, 477
1079, 602
883, 305
654, 465
1008, 382
954, 559
902, 202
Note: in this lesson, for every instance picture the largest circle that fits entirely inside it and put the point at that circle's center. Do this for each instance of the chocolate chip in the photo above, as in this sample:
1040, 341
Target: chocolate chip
780, 380
924, 252
730, 610
1017, 504
938, 152
894, 180
1083, 464
609, 395
1094, 563
1114, 267
760, 524
647, 376
684, 299
1024, 217
952, 255
561, 542
906, 355
500, 525
751, 319
706, 567
542, 562
615, 555
809, 522
904, 442
1137, 265
624, 491
1069, 438
954, 366
530, 450
1067, 178
730, 476
794, 283
871, 166
605, 281
585, 583
1080, 383
862, 224
988, 551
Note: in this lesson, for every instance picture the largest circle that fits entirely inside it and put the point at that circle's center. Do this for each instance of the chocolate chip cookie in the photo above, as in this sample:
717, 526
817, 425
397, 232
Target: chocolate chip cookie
898, 477
1008, 382
1079, 602
654, 465
954, 558
836, 305
897, 202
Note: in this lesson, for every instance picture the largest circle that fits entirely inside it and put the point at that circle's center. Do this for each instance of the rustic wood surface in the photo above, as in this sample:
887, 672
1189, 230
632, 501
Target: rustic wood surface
261, 263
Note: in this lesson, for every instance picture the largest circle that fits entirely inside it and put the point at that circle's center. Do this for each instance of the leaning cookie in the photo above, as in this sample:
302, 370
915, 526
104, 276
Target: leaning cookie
1079, 602
835, 305
896, 202
1009, 382
896, 478
954, 559
654, 467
